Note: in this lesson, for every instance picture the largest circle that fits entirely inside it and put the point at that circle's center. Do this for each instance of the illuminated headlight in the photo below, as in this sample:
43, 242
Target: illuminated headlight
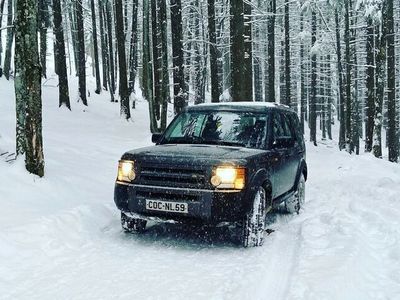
228, 178
126, 171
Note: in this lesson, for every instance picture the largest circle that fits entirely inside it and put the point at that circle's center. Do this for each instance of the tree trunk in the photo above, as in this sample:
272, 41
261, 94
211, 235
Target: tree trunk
313, 100
240, 89
380, 61
349, 140
148, 89
247, 81
81, 51
370, 85
111, 70
391, 82
44, 17
270, 87
104, 52
287, 99
10, 38
328, 97
342, 129
215, 92
28, 83
72, 20
133, 51
1, 42
180, 87
303, 94
95, 48
165, 96
60, 55
123, 80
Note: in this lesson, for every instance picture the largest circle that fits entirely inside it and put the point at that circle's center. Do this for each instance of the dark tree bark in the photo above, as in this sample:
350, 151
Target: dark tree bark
199, 57
313, 100
61, 64
123, 80
370, 85
287, 98
391, 85
215, 92
165, 96
81, 51
111, 67
28, 83
95, 48
342, 129
1, 42
240, 89
44, 23
133, 51
270, 87
73, 26
10, 38
328, 76
303, 94
148, 89
180, 87
380, 61
103, 42
349, 139
247, 82
157, 64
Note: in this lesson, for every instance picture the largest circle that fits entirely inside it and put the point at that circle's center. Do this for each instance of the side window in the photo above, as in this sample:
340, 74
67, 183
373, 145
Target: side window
286, 126
278, 130
295, 124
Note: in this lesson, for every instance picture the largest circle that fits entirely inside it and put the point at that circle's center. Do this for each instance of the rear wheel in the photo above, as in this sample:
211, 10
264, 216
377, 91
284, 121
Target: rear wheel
295, 203
132, 225
253, 225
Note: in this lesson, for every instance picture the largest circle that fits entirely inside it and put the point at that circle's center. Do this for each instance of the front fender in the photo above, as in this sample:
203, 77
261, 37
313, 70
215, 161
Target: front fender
260, 178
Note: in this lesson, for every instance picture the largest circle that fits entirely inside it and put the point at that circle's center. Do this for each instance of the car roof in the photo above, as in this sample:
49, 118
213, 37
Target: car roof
239, 106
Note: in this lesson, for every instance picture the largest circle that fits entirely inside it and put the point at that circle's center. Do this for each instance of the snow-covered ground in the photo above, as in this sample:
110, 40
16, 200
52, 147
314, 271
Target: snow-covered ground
60, 236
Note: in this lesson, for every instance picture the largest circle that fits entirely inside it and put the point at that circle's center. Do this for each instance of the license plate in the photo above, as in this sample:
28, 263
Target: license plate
176, 207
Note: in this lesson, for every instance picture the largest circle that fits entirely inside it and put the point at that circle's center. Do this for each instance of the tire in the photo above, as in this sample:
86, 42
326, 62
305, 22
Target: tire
132, 225
296, 203
253, 225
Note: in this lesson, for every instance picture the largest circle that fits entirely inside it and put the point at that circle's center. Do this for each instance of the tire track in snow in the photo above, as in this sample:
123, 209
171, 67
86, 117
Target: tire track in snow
281, 259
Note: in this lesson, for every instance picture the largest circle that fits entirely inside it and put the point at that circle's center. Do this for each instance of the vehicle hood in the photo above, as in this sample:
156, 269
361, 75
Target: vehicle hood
204, 154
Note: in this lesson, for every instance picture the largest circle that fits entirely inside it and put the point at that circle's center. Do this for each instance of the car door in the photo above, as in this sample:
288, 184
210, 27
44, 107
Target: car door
279, 155
293, 151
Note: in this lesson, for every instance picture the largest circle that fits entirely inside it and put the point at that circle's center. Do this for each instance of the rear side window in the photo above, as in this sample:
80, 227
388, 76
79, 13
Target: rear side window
281, 127
295, 124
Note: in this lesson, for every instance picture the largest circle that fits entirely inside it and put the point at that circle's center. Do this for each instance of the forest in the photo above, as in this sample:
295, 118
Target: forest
333, 62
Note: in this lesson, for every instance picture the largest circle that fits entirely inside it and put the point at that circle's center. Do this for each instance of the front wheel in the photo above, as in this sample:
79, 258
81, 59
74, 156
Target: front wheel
295, 203
132, 225
253, 224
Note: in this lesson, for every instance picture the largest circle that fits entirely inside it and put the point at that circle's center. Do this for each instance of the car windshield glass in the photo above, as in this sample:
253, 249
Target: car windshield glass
240, 129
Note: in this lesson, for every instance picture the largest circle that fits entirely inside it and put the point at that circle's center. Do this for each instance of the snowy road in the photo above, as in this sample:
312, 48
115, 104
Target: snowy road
60, 236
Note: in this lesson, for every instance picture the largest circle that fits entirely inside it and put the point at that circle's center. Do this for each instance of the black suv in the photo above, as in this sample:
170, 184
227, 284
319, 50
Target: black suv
216, 163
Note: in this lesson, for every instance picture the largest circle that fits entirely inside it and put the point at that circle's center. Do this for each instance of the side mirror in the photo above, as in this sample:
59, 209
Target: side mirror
283, 142
156, 137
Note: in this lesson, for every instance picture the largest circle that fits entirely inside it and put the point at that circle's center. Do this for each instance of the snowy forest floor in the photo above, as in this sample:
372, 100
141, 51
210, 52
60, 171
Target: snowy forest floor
60, 236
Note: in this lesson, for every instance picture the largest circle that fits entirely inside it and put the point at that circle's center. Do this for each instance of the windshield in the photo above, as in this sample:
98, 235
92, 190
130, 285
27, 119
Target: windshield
240, 129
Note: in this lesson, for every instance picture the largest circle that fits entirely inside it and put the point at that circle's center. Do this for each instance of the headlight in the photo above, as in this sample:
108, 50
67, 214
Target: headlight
126, 171
228, 178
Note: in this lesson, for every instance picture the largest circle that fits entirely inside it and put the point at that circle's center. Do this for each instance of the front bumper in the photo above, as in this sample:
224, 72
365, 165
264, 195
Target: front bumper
207, 206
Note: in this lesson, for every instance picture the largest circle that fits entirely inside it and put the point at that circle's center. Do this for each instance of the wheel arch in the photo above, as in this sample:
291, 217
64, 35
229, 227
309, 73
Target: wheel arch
302, 170
261, 178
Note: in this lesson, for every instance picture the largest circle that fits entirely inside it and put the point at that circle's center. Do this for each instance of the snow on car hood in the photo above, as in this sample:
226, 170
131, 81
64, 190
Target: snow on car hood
193, 152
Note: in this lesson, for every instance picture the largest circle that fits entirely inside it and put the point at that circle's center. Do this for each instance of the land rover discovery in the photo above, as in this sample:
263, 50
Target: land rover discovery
216, 163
